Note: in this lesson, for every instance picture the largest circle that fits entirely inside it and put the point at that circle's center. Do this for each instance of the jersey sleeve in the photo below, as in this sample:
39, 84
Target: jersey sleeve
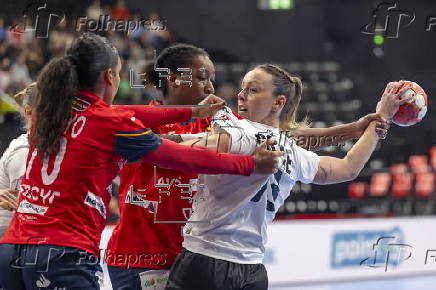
225, 121
153, 116
301, 161
15, 165
133, 140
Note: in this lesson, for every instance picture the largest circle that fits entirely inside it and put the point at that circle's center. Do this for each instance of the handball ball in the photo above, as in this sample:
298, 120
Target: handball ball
413, 111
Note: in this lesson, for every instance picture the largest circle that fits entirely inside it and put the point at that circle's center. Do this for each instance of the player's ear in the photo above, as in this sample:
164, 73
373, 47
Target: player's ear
108, 76
27, 111
279, 103
173, 80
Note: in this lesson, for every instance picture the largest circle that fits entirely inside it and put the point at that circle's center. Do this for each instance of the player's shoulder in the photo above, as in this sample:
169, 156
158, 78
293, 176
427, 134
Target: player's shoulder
112, 114
19, 143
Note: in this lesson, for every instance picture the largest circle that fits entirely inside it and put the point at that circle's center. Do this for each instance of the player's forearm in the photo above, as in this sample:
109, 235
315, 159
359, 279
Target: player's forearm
362, 150
314, 139
193, 159
185, 139
153, 116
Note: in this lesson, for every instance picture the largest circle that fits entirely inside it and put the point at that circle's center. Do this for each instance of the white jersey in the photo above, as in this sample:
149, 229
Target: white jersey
231, 213
12, 168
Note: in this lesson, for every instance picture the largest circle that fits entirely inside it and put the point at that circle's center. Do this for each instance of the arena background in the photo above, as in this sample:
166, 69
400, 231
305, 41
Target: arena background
345, 52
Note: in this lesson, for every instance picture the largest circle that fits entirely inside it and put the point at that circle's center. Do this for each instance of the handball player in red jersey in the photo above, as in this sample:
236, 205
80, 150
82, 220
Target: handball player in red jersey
78, 144
148, 238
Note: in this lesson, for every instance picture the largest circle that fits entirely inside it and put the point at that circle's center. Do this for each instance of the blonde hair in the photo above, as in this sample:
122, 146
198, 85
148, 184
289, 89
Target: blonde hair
292, 88
26, 96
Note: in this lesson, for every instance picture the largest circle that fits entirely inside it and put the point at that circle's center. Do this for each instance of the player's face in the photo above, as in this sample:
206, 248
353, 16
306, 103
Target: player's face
256, 96
115, 82
203, 76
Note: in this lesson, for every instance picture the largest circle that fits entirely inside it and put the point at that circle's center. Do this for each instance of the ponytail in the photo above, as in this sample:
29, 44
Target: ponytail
57, 86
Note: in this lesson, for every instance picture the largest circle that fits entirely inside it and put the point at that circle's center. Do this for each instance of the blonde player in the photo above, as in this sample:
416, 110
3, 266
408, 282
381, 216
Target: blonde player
226, 252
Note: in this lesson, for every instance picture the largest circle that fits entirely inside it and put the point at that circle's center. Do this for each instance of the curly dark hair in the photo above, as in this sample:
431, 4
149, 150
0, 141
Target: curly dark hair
173, 57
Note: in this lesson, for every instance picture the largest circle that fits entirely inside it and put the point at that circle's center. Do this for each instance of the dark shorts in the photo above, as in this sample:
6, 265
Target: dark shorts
198, 272
47, 267
123, 278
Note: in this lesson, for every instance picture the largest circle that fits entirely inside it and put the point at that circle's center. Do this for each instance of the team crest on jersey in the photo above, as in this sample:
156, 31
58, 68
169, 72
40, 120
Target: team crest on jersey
96, 202
80, 104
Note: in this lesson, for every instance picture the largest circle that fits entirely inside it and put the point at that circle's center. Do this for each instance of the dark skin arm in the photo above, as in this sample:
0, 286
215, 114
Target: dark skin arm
314, 139
173, 137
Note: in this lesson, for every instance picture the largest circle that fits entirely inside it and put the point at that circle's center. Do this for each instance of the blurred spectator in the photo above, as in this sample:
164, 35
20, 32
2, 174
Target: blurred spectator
120, 11
2, 29
19, 71
94, 10
59, 39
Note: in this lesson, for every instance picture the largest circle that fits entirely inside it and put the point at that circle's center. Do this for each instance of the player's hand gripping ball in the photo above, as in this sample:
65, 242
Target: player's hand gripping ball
414, 110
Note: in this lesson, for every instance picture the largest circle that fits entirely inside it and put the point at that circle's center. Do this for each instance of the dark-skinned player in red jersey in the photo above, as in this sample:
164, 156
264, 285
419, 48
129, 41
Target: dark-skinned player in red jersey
148, 237
78, 144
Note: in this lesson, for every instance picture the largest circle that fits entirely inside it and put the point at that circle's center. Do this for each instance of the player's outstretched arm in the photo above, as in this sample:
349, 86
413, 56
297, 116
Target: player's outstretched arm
198, 159
155, 116
314, 139
336, 170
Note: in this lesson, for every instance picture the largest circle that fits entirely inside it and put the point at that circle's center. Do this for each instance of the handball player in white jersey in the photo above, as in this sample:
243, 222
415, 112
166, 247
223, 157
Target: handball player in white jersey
225, 250
13, 161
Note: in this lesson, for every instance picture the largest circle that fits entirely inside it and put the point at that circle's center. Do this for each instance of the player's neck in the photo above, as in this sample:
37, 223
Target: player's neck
272, 122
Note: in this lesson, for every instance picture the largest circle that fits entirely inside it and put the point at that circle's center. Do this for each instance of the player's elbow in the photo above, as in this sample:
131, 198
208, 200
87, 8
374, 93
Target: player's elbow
353, 175
352, 172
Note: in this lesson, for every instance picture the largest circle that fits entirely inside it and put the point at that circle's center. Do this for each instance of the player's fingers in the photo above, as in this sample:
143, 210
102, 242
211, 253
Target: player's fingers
7, 205
402, 90
9, 197
212, 99
407, 99
13, 192
382, 125
263, 146
381, 132
388, 87
217, 106
277, 154
271, 142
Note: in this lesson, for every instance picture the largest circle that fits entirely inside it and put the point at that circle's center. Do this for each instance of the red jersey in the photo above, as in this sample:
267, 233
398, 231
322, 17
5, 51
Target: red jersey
154, 207
64, 198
